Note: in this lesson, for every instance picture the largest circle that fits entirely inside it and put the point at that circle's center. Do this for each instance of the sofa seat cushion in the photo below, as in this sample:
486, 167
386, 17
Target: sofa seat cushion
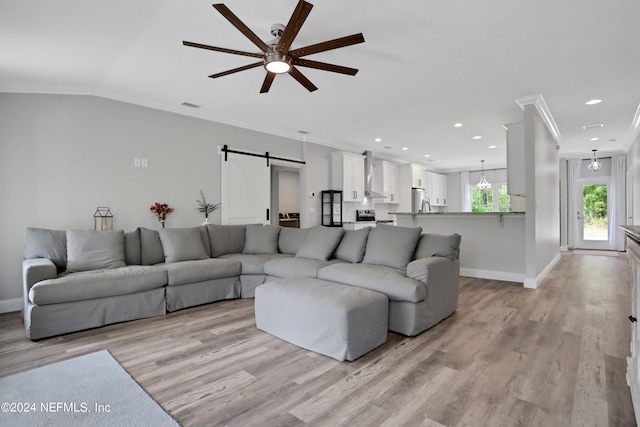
253, 263
186, 272
296, 267
97, 284
389, 281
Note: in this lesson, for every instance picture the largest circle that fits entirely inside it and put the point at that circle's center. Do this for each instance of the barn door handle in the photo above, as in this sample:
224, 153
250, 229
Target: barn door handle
267, 214
633, 319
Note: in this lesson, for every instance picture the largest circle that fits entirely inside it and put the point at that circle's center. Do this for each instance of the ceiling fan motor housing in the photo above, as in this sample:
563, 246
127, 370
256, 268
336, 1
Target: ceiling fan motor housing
277, 30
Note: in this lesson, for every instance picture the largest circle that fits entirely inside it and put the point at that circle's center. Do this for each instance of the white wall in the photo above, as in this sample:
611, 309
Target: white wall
62, 156
289, 191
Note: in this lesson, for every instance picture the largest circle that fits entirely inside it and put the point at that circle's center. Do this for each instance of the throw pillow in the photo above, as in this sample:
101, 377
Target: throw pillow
290, 240
225, 239
182, 244
261, 240
353, 244
438, 245
320, 242
94, 250
132, 251
150, 247
44, 243
391, 246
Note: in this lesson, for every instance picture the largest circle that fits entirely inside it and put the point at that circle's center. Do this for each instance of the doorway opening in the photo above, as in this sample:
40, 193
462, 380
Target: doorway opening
285, 196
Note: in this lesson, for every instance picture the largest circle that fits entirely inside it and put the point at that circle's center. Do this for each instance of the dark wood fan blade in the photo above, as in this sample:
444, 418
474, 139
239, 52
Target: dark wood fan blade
235, 70
328, 45
222, 49
293, 27
266, 85
224, 11
324, 66
296, 74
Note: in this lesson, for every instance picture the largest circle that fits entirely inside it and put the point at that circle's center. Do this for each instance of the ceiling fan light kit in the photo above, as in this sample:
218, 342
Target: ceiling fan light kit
277, 57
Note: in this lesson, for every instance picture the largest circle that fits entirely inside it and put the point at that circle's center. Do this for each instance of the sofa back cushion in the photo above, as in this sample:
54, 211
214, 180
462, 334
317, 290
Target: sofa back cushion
391, 246
182, 244
320, 242
438, 245
132, 249
151, 251
225, 239
44, 243
261, 239
94, 250
290, 240
353, 245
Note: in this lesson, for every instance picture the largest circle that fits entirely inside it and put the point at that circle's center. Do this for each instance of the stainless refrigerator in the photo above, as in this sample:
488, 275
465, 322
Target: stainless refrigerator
418, 198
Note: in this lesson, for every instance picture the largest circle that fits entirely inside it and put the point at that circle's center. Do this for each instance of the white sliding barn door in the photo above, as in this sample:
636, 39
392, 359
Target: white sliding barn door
246, 186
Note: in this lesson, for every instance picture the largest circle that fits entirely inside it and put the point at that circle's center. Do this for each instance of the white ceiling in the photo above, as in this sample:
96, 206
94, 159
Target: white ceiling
425, 65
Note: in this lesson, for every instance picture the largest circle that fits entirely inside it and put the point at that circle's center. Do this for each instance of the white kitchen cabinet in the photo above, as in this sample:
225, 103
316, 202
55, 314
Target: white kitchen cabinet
418, 176
437, 189
516, 181
386, 180
347, 174
633, 362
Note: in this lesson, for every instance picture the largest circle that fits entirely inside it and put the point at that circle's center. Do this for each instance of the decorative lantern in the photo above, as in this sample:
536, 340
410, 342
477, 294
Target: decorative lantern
103, 219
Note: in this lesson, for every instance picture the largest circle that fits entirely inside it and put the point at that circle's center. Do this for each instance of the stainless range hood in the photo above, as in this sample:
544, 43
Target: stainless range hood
368, 176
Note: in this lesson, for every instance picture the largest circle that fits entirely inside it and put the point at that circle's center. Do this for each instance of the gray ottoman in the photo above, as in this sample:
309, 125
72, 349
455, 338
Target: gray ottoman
339, 321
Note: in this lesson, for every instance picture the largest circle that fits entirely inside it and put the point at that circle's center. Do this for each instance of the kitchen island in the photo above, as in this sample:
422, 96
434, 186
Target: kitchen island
493, 243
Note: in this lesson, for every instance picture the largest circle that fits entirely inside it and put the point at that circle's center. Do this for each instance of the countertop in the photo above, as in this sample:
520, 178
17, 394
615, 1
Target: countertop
460, 213
632, 231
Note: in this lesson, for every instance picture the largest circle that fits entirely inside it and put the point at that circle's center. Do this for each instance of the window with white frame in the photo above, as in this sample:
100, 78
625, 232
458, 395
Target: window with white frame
493, 199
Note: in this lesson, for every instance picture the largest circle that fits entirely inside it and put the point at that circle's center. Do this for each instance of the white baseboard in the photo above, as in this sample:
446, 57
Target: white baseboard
492, 275
533, 283
9, 305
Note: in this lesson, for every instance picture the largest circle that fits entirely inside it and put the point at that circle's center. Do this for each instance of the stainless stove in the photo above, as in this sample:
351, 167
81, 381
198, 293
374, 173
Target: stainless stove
365, 215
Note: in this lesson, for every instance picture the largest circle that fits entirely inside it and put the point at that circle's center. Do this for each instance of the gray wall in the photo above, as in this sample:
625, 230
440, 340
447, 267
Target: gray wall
62, 156
542, 195
633, 165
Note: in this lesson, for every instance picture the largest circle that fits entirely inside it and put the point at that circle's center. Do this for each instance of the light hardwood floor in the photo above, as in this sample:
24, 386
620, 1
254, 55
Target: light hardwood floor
509, 356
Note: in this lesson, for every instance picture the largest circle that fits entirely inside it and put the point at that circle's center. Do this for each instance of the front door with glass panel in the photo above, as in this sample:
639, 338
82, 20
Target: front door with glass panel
593, 215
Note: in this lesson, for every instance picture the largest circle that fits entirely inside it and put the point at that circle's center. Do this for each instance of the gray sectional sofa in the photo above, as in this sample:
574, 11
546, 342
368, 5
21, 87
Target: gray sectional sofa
75, 280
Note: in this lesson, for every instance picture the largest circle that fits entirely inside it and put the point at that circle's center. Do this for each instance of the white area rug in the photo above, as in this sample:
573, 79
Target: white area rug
592, 252
91, 390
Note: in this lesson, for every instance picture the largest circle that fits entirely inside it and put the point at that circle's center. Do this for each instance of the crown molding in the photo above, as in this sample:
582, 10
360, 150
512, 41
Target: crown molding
538, 101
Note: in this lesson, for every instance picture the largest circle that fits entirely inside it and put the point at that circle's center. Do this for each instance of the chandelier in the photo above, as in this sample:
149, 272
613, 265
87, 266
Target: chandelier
594, 165
483, 184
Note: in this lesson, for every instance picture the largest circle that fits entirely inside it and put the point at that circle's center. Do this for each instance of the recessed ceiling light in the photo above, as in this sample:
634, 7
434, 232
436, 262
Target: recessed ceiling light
477, 137
593, 101
597, 125
378, 139
427, 155
492, 146
405, 148
458, 125
594, 139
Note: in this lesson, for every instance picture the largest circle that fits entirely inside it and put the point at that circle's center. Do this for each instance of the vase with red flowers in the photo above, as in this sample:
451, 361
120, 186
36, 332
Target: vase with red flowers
161, 210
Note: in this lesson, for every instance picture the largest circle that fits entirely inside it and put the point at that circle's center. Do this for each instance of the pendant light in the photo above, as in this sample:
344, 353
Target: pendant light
594, 165
483, 184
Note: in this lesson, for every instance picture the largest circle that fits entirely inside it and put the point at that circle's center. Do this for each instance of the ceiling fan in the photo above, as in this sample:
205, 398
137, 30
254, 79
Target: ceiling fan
277, 56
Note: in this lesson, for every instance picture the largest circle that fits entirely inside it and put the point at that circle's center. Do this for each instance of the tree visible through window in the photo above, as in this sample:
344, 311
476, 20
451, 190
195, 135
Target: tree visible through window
493, 199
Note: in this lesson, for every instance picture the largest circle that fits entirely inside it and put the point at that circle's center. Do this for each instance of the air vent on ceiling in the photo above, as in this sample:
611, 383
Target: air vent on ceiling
190, 105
